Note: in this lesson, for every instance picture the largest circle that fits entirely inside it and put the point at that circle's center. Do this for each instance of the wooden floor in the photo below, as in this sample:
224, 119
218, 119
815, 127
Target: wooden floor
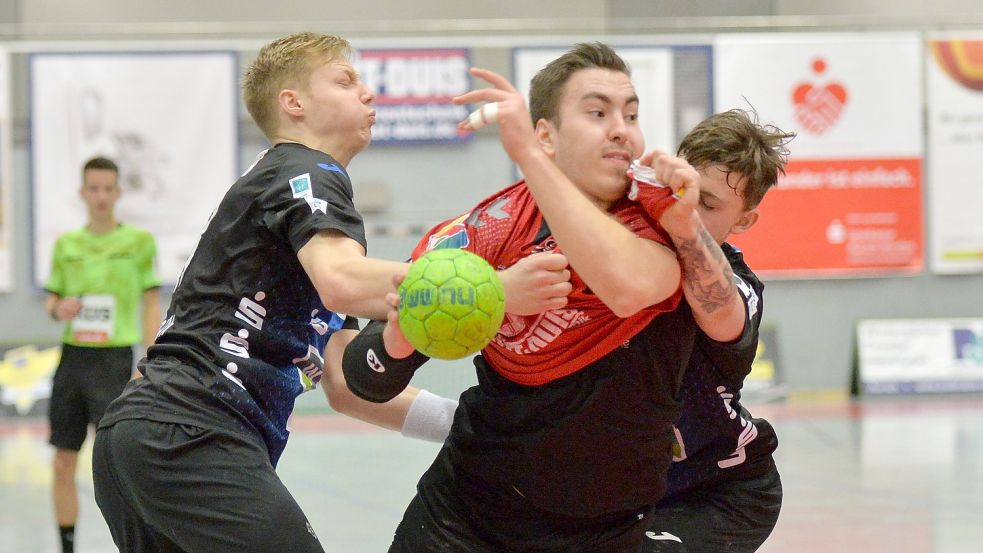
885, 475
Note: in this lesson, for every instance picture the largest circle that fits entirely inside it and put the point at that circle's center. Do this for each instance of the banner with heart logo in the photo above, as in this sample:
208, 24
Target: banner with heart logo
851, 201
954, 77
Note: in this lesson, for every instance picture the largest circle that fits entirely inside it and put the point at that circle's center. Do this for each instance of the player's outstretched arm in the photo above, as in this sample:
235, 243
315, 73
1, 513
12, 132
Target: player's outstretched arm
346, 280
606, 254
413, 412
379, 362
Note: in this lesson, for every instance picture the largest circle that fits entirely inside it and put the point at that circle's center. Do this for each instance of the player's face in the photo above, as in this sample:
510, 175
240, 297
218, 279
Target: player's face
338, 107
100, 191
722, 204
597, 134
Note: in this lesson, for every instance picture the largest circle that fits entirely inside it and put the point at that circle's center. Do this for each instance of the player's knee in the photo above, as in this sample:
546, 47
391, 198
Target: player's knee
65, 463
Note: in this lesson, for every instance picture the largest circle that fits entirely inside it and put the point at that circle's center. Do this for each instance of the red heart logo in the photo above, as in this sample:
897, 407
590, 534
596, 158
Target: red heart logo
816, 108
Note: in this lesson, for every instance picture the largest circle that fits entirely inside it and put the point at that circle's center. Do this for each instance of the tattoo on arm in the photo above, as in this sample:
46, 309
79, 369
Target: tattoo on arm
702, 260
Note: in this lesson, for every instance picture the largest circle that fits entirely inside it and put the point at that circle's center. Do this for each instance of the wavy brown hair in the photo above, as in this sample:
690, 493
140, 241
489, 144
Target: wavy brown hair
737, 143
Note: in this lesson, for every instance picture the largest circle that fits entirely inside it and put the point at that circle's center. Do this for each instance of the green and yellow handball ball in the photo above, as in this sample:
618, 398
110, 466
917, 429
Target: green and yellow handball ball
451, 303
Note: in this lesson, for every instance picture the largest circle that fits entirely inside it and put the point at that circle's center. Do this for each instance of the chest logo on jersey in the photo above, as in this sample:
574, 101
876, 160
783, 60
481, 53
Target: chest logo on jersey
530, 334
452, 235
310, 366
748, 431
300, 187
254, 315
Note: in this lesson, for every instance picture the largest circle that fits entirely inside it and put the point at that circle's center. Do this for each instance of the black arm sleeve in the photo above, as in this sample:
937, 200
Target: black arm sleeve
370, 372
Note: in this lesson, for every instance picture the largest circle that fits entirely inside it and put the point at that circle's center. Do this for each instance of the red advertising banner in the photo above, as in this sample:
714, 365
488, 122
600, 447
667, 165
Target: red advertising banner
850, 203
839, 217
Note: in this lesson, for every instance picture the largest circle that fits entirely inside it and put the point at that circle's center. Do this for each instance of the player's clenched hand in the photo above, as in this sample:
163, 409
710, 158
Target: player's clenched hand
396, 344
684, 180
536, 283
67, 308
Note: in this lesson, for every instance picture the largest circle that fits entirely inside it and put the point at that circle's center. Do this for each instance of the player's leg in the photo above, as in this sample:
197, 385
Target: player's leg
732, 516
130, 533
439, 520
68, 426
106, 372
204, 490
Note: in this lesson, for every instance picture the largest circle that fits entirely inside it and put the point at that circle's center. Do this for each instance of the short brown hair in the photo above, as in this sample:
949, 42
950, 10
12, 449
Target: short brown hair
546, 87
286, 62
736, 143
100, 162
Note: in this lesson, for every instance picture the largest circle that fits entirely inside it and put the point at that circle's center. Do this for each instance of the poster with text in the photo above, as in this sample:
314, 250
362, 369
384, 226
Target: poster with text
170, 122
414, 88
6, 188
920, 355
850, 203
954, 75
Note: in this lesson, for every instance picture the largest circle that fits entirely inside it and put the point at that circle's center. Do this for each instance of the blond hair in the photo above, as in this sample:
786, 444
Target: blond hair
283, 63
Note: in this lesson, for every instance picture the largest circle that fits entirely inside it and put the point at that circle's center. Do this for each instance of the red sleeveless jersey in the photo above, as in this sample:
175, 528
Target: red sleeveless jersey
536, 349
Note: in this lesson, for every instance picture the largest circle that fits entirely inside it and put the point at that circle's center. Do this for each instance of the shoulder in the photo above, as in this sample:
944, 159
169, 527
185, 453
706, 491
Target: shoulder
295, 168
736, 259
71, 235
136, 232
67, 238
134, 235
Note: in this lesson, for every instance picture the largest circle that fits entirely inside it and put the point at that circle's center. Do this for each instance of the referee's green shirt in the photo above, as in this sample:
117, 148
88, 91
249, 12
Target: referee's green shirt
109, 272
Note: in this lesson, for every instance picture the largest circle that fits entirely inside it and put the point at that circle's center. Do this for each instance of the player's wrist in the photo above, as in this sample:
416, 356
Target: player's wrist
683, 231
53, 312
429, 418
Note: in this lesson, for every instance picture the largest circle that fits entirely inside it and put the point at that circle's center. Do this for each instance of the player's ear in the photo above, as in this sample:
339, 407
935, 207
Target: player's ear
546, 136
289, 102
745, 222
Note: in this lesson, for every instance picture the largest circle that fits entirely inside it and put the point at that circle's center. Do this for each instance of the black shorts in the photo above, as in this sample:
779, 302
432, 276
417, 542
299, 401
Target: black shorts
86, 381
166, 487
731, 516
438, 521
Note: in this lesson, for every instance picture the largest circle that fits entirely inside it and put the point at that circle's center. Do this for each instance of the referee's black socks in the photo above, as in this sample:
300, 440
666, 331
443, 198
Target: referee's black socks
67, 539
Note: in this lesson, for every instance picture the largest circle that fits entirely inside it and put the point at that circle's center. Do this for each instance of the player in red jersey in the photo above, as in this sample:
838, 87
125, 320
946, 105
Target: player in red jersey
564, 443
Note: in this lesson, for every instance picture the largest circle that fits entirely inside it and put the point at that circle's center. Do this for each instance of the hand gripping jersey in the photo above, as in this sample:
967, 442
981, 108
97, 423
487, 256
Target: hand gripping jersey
537, 349
245, 330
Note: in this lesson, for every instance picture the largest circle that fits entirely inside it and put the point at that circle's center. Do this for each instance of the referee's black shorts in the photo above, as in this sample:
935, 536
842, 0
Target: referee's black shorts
166, 487
86, 381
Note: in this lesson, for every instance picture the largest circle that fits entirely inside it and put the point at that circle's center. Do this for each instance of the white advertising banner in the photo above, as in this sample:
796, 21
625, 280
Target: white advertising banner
414, 88
651, 72
954, 75
851, 200
170, 122
6, 189
920, 355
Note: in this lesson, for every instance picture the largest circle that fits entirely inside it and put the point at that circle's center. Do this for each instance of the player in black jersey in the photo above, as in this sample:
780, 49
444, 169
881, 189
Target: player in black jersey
184, 460
724, 492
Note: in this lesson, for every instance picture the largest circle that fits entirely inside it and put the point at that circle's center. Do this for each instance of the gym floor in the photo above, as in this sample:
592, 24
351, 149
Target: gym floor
879, 475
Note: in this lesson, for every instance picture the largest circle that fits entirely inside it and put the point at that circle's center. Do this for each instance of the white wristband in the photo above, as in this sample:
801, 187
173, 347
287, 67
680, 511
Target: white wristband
429, 417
